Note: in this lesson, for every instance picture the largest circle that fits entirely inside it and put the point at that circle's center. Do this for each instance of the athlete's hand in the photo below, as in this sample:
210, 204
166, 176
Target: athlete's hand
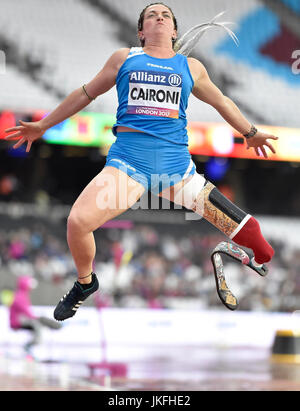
27, 132
259, 141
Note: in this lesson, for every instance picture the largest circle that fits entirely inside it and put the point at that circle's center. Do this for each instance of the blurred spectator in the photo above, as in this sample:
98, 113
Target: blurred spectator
144, 266
21, 313
8, 184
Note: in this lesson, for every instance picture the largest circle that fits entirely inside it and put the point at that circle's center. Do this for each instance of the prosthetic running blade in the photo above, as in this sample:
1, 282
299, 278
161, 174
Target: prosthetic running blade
237, 253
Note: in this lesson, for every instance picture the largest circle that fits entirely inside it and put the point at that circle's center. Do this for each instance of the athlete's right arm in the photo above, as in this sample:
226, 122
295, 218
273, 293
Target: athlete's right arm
77, 100
72, 104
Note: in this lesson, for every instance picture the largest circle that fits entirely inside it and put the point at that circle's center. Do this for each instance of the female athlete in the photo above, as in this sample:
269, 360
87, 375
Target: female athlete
153, 84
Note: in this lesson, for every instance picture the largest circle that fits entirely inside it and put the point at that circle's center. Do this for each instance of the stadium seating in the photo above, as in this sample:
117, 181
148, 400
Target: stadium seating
72, 40
259, 84
19, 92
143, 263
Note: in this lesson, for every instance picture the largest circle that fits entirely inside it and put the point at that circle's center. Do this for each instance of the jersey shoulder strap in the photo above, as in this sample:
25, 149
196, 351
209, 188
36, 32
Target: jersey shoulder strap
135, 51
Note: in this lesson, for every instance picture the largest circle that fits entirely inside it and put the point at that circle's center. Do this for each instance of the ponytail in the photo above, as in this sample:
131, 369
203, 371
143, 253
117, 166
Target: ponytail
189, 40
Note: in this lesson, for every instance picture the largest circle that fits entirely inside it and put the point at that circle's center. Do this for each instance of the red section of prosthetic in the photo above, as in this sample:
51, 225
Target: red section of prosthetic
250, 236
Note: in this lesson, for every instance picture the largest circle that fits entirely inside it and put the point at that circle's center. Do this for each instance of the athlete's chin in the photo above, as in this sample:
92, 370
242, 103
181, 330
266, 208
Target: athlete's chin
161, 32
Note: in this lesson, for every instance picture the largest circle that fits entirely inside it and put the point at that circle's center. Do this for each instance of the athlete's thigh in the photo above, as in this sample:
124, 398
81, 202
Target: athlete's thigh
108, 195
170, 192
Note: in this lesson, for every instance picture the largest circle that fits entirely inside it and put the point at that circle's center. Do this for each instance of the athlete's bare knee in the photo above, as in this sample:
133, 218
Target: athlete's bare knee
78, 222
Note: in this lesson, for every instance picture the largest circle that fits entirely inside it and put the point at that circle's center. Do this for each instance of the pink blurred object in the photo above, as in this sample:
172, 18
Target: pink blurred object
102, 301
17, 250
123, 224
154, 303
21, 306
117, 252
114, 369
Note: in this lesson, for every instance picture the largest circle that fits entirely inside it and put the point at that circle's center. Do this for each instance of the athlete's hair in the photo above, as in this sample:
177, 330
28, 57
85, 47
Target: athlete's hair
142, 16
190, 39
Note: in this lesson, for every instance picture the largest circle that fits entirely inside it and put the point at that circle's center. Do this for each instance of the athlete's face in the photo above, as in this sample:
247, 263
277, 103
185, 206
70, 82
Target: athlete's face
158, 20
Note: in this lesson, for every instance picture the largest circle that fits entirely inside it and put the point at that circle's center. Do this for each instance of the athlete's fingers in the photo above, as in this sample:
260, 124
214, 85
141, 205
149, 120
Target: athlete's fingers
29, 142
19, 143
270, 147
8, 130
14, 135
264, 151
273, 137
257, 151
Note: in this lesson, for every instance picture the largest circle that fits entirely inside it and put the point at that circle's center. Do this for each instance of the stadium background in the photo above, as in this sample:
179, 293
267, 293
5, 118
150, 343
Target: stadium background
149, 259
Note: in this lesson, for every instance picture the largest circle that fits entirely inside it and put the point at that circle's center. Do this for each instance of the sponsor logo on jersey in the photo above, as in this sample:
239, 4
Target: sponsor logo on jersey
154, 93
161, 67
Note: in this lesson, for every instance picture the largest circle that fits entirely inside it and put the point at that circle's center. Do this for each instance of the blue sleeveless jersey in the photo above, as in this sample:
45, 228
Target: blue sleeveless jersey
153, 95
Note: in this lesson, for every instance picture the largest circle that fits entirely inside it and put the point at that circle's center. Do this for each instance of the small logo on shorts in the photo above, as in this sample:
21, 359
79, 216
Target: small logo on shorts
123, 163
174, 80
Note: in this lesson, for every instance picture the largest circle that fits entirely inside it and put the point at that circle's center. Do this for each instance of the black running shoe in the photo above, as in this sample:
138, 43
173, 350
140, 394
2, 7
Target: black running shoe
71, 301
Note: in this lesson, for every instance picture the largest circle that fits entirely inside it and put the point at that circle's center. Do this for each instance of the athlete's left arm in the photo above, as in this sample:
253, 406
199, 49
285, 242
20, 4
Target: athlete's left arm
205, 90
